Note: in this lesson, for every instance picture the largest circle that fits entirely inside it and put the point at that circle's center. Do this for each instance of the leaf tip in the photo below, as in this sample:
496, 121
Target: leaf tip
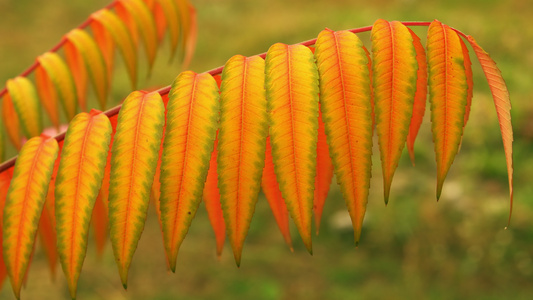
439, 191
237, 256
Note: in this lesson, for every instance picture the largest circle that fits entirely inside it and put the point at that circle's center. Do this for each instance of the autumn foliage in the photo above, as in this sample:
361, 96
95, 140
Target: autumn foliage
284, 121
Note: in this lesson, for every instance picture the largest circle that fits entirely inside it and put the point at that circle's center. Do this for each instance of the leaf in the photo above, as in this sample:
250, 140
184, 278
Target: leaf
11, 121
502, 102
79, 73
133, 163
156, 185
419, 105
105, 43
26, 106
59, 74
100, 221
241, 148
346, 105
191, 36
159, 18
270, 187
85, 46
121, 38
100, 218
145, 23
80, 174
47, 235
173, 19
292, 94
394, 78
124, 15
24, 204
324, 173
469, 81
47, 95
2, 144
5, 179
211, 197
447, 94
47, 223
192, 115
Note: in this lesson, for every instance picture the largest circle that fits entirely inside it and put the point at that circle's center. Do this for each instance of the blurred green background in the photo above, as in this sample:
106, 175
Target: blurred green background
415, 248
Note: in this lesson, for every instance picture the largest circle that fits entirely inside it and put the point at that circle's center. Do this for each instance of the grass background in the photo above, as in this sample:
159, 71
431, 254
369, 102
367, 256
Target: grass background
413, 248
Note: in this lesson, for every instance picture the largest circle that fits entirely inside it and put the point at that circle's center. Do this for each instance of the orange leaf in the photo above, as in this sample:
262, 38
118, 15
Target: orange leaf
292, 92
469, 80
88, 54
190, 37
79, 72
270, 187
11, 121
419, 105
47, 95
500, 94
79, 177
143, 25
25, 104
192, 114
160, 21
24, 204
172, 18
5, 179
324, 173
105, 43
346, 105
447, 93
100, 218
133, 164
126, 17
211, 197
47, 235
243, 131
122, 38
394, 78
61, 77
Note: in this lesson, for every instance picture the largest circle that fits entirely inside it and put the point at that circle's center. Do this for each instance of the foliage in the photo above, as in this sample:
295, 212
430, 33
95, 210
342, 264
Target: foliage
292, 82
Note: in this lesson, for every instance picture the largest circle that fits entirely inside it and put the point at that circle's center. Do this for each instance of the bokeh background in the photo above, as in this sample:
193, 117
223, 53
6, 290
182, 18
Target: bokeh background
415, 248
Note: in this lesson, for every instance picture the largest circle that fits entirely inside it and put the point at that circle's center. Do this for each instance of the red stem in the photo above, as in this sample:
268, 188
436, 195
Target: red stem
56, 48
163, 91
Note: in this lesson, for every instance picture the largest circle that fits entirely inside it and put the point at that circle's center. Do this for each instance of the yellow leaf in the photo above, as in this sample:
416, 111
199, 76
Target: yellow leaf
192, 115
122, 38
292, 96
145, 25
448, 91
24, 204
47, 95
394, 71
79, 177
346, 105
59, 74
11, 121
133, 164
26, 105
173, 20
94, 61
79, 72
241, 147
